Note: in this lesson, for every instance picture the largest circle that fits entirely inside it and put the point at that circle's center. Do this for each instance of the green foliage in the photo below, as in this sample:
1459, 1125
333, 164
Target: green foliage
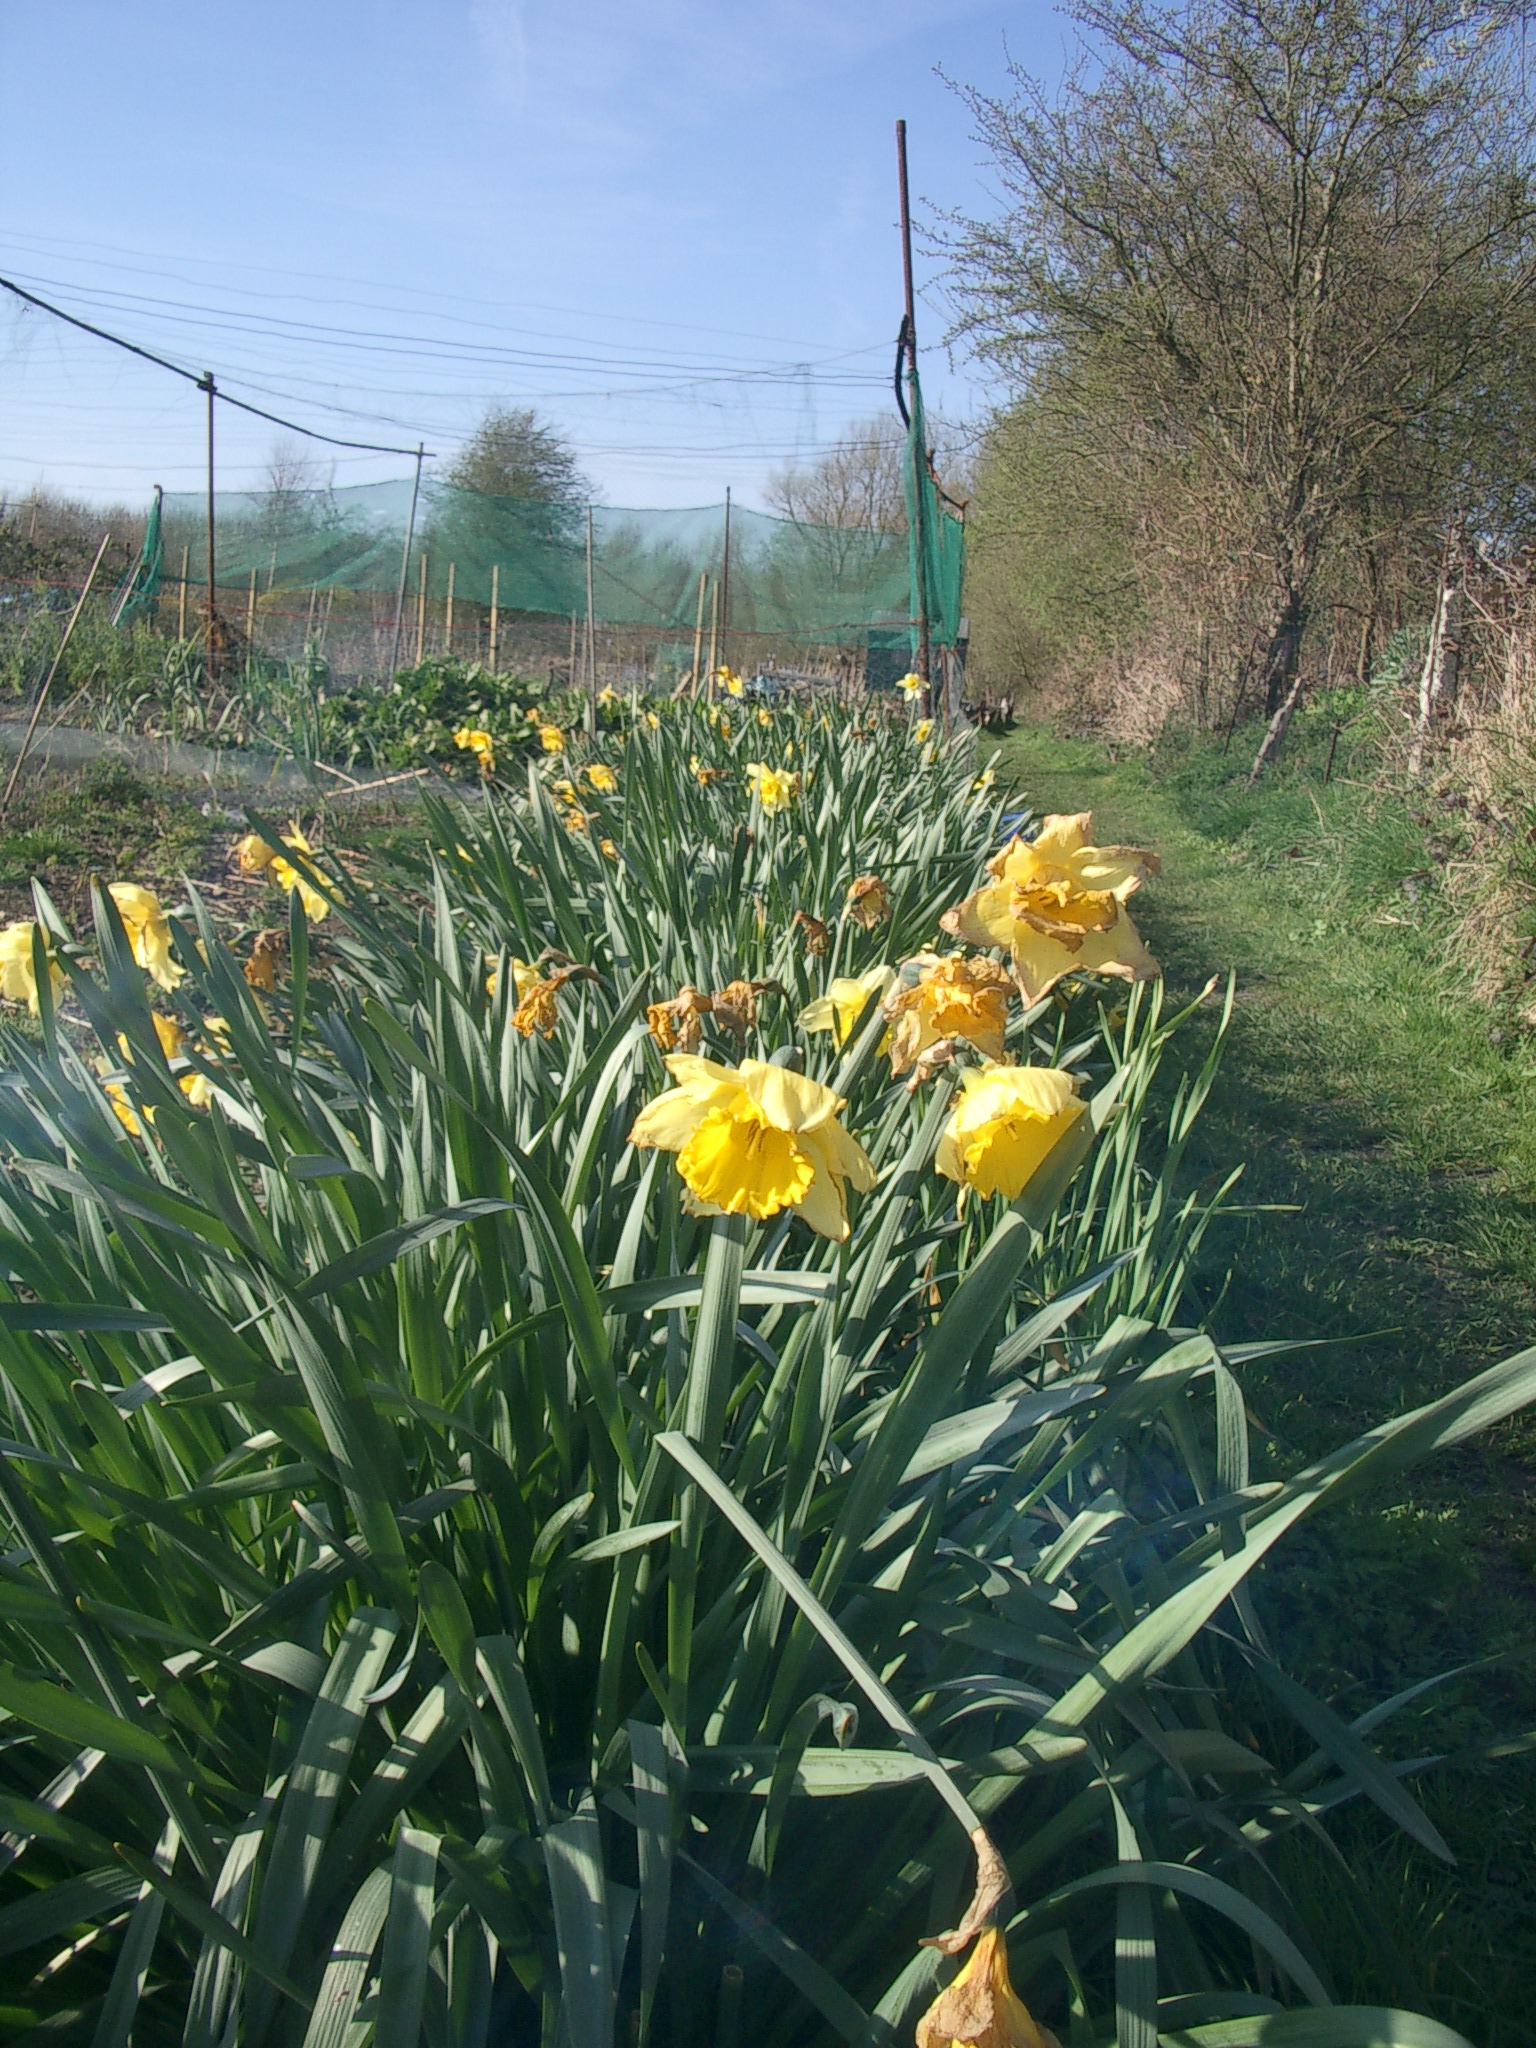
460, 1595
1389, 1122
410, 722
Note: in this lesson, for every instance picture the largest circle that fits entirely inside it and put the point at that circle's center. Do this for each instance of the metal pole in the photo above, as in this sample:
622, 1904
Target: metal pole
920, 460
725, 577
591, 647
405, 560
209, 386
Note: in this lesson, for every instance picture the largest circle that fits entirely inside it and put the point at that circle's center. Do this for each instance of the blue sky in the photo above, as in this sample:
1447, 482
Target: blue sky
668, 224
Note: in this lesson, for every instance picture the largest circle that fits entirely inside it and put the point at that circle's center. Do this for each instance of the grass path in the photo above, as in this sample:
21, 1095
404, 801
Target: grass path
1381, 1113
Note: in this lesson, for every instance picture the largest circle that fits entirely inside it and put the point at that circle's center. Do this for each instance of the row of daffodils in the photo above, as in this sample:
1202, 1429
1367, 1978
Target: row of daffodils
758, 1138
754, 1137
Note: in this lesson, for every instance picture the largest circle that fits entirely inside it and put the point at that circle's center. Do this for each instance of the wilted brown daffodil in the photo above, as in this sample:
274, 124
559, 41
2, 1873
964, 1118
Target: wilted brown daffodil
980, 2008
868, 902
951, 997
1057, 903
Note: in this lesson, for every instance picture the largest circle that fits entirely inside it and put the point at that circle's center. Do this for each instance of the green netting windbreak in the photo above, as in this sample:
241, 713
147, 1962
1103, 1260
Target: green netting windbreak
141, 586
935, 538
817, 585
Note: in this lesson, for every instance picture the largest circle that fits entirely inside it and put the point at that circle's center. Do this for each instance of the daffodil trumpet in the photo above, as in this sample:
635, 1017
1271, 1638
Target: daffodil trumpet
755, 1140
1013, 1127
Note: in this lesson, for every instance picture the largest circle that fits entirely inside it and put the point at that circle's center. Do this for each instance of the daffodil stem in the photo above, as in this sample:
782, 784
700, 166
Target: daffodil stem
706, 1395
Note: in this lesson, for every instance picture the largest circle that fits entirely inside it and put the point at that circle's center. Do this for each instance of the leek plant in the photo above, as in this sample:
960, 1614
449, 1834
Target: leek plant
459, 1594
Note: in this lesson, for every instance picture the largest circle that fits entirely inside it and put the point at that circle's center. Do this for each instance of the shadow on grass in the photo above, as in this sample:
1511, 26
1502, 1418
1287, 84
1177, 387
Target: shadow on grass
1389, 1139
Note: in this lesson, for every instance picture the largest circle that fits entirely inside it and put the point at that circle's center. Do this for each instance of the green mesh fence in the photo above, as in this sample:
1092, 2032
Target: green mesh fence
935, 538
802, 584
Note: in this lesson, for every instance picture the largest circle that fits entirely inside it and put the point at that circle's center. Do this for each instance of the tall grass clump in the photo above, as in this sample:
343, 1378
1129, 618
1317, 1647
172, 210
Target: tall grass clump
462, 1590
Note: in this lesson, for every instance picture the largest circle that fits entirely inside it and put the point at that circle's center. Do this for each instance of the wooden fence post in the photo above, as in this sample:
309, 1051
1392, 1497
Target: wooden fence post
495, 606
421, 610
448, 611
181, 602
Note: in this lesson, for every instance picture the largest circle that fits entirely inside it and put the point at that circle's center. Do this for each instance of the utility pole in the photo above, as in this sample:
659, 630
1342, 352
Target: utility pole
208, 385
919, 536
405, 560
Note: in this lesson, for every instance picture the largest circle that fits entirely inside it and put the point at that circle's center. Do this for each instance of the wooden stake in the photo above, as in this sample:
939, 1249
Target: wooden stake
453, 569
495, 608
570, 668
405, 560
714, 640
250, 613
698, 630
53, 669
181, 602
421, 610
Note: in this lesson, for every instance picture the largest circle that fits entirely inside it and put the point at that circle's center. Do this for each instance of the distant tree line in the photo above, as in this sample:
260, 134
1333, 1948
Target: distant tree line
1263, 289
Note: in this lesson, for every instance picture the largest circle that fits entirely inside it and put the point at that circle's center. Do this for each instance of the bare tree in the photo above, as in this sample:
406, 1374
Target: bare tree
1276, 243
858, 482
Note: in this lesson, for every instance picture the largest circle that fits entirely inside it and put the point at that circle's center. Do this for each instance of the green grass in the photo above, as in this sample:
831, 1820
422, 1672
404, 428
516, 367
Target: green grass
106, 820
1392, 1121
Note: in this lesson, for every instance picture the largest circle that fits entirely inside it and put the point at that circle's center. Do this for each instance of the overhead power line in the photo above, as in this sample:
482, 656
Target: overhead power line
204, 383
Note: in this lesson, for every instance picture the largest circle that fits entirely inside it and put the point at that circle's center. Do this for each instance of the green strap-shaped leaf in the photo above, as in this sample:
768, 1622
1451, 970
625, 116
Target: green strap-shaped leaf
407, 1940
349, 1963
573, 1859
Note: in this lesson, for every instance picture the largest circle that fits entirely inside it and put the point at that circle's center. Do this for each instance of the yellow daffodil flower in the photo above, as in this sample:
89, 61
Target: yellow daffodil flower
703, 775
170, 1034
725, 726
951, 997
551, 739
470, 739
288, 878
253, 854
1006, 1123
984, 782
729, 681
523, 978
653, 720
980, 2008
18, 973
764, 715
868, 902
921, 731
269, 950
608, 697
1057, 903
911, 686
608, 850
563, 790
843, 1004
602, 777
149, 931
755, 1139
774, 788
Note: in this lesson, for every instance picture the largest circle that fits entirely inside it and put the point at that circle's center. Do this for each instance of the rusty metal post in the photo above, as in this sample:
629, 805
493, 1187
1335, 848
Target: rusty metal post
925, 654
